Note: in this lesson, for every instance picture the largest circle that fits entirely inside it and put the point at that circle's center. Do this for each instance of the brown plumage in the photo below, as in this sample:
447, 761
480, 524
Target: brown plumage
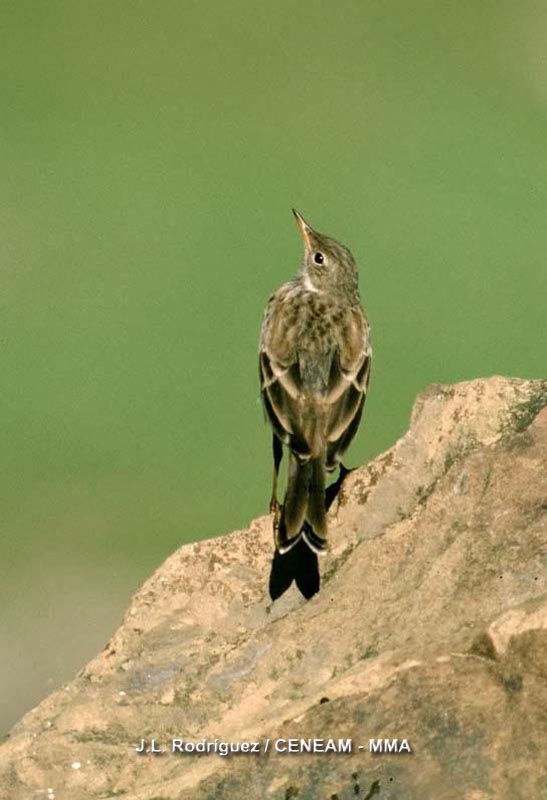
315, 359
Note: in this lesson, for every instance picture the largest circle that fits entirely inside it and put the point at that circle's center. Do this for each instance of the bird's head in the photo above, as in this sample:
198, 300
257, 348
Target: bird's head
327, 265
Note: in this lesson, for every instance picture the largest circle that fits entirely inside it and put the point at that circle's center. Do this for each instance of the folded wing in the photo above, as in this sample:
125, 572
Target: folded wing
314, 397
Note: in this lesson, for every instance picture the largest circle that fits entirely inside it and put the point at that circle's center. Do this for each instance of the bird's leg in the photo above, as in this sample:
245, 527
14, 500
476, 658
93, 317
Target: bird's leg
333, 492
344, 471
275, 508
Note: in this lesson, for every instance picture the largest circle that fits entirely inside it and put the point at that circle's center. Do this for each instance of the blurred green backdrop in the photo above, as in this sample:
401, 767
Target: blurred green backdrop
150, 154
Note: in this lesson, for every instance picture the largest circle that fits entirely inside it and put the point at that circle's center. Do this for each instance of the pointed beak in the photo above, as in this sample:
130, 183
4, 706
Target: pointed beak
305, 229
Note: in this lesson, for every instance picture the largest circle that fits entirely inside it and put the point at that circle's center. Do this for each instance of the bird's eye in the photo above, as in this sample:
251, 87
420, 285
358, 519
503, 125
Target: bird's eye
319, 258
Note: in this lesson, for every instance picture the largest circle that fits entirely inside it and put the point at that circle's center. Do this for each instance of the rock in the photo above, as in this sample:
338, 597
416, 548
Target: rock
430, 629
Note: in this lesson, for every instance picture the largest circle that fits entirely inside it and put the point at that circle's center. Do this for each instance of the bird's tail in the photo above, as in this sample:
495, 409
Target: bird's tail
303, 514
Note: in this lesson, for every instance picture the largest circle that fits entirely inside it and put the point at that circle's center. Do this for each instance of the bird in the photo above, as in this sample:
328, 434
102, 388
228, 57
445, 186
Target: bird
315, 359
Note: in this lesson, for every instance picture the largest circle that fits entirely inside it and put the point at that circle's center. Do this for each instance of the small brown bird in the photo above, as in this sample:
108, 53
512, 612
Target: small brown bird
315, 358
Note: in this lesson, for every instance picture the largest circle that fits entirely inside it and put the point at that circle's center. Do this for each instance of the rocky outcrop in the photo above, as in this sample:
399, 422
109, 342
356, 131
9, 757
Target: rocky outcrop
430, 629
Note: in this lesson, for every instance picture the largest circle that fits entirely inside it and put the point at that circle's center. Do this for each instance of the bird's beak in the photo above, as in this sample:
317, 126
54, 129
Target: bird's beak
305, 229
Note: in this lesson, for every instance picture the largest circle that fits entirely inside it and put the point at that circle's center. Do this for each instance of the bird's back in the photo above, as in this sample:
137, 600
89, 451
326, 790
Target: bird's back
310, 345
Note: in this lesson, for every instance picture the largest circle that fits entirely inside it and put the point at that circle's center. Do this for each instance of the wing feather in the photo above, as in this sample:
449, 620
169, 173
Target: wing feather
313, 397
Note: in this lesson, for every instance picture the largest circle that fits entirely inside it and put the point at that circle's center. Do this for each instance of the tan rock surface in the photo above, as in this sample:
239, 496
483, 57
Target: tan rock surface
430, 626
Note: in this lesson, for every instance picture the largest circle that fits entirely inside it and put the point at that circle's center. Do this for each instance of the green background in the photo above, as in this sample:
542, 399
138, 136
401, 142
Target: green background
150, 153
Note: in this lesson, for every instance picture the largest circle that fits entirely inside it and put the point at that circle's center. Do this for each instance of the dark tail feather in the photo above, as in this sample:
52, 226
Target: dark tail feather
315, 530
304, 507
295, 504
